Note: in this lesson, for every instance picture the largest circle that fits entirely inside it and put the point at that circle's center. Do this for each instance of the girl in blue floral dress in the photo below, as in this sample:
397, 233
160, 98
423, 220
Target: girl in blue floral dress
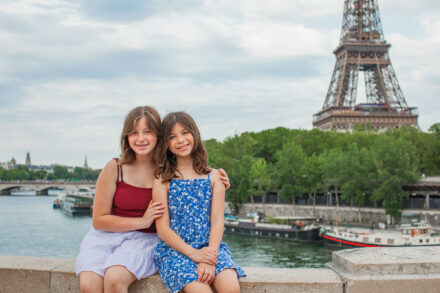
191, 255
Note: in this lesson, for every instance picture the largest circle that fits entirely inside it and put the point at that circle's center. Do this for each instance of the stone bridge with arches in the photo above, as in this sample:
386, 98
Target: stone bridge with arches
42, 188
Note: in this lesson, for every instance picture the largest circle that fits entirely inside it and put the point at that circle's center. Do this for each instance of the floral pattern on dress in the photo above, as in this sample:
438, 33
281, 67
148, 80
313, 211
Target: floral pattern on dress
189, 204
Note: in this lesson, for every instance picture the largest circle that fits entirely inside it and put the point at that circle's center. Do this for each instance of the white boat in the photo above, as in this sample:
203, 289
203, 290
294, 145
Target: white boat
23, 191
58, 202
83, 191
78, 202
415, 234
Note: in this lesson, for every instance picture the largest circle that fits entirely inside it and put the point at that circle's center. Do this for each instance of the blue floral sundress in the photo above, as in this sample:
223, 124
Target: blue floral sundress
189, 204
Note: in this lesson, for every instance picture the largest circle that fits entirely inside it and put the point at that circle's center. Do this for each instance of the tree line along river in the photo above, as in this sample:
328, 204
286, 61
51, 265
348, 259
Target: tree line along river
29, 226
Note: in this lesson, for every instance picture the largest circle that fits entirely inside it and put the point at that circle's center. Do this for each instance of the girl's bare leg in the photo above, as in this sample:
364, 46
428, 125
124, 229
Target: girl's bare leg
118, 279
197, 287
227, 282
90, 282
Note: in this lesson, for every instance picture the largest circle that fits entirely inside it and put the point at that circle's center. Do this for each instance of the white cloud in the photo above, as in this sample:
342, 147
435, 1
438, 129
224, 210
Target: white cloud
67, 77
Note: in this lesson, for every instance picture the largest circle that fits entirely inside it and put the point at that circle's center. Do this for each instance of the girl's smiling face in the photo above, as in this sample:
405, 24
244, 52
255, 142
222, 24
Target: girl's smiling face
181, 141
142, 140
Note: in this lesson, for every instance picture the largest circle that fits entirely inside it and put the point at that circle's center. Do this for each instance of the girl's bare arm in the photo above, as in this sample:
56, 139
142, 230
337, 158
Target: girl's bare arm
103, 201
217, 210
208, 255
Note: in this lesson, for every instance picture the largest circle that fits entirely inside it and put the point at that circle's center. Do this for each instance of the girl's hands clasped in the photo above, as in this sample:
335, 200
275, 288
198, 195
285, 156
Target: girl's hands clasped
206, 255
155, 210
206, 273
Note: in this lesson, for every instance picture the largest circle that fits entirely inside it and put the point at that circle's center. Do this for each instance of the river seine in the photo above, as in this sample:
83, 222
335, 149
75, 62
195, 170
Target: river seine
30, 227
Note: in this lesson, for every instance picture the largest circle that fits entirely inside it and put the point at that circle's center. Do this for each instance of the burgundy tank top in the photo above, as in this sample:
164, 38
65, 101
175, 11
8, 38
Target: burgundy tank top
131, 201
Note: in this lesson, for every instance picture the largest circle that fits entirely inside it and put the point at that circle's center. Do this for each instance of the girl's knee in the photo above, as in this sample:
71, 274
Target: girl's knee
90, 282
117, 279
197, 287
112, 282
230, 288
87, 285
227, 282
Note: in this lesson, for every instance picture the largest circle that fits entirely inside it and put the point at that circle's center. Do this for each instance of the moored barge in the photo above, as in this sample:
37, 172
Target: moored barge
76, 204
298, 229
416, 234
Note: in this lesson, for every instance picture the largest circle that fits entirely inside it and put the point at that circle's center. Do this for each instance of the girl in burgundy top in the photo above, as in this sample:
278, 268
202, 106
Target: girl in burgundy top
119, 247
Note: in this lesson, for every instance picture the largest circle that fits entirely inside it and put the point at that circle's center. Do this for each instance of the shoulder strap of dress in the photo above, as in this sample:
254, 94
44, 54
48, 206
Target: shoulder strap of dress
117, 164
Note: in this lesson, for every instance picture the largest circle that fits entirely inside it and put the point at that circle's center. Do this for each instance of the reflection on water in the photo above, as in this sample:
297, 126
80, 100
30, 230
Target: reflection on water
29, 226
263, 252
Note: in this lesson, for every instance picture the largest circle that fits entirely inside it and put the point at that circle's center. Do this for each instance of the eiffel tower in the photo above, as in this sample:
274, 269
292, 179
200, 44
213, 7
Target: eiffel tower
362, 48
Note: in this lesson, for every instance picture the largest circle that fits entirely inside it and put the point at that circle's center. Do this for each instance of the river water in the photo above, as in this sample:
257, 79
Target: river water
29, 226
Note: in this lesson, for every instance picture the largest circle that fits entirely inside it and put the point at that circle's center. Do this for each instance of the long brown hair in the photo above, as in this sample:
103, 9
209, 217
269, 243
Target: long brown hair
167, 164
152, 118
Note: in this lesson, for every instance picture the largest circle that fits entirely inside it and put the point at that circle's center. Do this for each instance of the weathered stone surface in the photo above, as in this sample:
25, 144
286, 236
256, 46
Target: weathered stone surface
23, 274
393, 269
27, 274
410, 269
290, 280
389, 260
393, 284
150, 284
64, 279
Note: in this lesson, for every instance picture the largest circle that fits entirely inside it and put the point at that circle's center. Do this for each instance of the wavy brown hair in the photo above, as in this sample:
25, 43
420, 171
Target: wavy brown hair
152, 117
167, 164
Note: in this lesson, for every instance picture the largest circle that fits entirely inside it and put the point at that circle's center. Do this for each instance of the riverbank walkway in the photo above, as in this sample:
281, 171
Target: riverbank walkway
396, 269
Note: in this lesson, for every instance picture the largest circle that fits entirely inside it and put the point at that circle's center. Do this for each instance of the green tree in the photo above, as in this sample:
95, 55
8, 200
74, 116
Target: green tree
260, 179
435, 128
430, 157
289, 161
3, 174
79, 173
60, 172
37, 175
358, 176
311, 179
333, 168
396, 164
269, 141
240, 181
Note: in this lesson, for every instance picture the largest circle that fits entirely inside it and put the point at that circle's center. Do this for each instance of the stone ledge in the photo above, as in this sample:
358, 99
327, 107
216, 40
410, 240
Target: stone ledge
388, 260
391, 269
32, 274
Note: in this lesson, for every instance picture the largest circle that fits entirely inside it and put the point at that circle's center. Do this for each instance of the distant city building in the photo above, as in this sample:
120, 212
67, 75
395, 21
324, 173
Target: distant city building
47, 168
12, 163
28, 159
9, 165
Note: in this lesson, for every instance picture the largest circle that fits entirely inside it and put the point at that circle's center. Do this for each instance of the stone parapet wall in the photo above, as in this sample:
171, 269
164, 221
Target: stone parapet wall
41, 275
391, 270
327, 213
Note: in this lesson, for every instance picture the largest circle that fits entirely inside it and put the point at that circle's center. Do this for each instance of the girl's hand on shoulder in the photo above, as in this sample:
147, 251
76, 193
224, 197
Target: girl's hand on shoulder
206, 255
206, 273
224, 178
154, 211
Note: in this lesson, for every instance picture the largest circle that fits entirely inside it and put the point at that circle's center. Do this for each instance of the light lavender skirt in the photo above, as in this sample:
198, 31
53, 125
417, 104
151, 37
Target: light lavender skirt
133, 250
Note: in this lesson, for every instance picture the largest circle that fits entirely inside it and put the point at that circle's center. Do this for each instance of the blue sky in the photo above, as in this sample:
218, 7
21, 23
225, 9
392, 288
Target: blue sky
71, 70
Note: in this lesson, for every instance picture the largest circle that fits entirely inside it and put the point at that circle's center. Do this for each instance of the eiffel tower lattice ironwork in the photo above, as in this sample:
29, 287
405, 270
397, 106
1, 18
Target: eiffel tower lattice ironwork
362, 48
